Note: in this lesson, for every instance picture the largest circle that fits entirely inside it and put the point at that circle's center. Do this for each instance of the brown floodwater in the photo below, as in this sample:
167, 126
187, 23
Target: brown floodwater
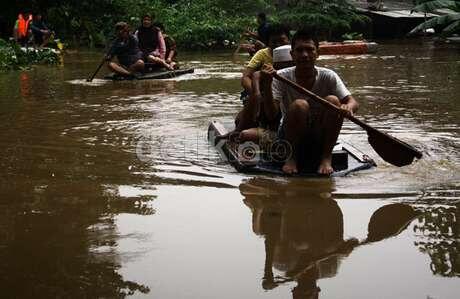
110, 189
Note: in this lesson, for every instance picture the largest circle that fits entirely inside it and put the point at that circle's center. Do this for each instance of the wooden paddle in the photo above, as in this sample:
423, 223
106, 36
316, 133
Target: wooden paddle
100, 65
392, 150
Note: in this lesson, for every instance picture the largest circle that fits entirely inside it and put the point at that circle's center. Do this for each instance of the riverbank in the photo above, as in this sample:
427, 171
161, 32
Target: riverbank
13, 56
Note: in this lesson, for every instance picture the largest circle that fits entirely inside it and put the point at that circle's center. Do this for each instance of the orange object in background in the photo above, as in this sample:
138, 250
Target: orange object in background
344, 48
23, 25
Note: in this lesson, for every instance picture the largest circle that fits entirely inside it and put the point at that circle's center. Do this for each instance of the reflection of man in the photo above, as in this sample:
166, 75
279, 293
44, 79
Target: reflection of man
303, 233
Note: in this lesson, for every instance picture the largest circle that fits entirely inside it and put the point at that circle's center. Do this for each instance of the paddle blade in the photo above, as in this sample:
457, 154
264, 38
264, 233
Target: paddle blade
392, 150
389, 221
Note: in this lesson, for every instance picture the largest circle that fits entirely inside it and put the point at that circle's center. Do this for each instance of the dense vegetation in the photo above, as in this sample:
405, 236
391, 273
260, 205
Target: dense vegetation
194, 24
13, 57
446, 24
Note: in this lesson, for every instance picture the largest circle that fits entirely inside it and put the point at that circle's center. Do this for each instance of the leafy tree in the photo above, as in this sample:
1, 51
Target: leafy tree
194, 24
449, 23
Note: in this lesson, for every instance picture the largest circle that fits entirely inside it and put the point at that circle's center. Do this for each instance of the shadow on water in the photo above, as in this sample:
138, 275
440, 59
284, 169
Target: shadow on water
304, 232
438, 235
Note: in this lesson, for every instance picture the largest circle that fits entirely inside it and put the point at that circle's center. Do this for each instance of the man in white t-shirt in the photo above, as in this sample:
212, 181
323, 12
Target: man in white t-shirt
305, 123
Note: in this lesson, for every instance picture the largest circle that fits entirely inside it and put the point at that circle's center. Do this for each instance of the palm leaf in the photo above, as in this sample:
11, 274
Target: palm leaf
442, 21
436, 4
453, 26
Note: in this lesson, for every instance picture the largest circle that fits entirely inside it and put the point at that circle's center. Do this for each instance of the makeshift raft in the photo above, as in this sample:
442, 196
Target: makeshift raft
158, 74
345, 158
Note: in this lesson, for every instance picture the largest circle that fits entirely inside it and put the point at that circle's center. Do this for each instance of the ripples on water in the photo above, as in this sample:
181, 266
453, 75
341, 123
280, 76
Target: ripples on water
118, 181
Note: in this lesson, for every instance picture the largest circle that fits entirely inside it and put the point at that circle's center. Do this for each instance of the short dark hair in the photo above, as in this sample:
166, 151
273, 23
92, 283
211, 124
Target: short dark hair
150, 16
262, 16
304, 34
121, 25
278, 29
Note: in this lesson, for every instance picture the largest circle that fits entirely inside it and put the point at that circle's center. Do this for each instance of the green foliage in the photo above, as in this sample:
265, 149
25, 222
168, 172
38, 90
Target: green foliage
194, 24
12, 56
449, 23
330, 19
198, 24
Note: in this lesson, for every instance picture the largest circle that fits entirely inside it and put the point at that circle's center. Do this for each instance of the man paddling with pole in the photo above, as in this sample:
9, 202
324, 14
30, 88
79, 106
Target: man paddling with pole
304, 121
126, 48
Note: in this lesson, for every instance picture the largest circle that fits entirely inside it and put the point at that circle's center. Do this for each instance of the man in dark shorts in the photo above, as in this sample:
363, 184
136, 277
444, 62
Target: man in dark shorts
304, 121
126, 48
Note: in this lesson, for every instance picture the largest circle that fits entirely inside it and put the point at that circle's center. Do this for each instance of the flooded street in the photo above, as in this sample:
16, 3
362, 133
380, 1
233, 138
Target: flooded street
110, 188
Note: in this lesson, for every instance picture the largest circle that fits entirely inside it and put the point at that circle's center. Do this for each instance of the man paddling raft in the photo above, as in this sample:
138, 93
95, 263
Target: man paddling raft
304, 121
126, 49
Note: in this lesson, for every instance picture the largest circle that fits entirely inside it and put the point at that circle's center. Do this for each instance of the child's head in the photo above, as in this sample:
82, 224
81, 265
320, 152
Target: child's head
278, 35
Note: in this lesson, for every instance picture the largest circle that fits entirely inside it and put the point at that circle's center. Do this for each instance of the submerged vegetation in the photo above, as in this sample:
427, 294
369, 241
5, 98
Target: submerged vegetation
12, 56
194, 24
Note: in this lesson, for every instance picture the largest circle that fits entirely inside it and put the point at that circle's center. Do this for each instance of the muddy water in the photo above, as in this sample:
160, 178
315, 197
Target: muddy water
110, 188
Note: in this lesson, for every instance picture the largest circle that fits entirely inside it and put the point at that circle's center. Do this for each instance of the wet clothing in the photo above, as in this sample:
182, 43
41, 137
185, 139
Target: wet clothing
127, 51
260, 58
151, 41
37, 27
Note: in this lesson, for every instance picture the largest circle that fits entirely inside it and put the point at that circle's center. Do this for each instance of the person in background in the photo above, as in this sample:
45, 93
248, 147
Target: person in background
40, 31
171, 47
152, 43
21, 33
260, 36
278, 36
126, 48
266, 113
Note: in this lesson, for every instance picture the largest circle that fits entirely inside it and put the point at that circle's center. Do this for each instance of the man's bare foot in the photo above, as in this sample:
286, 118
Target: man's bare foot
325, 167
290, 167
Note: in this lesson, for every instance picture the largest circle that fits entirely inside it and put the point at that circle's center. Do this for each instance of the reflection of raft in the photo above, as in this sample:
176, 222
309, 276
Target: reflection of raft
158, 74
347, 47
345, 158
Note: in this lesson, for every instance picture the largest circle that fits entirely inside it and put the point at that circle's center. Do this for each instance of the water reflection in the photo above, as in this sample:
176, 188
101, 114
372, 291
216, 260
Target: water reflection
438, 231
304, 232
60, 242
